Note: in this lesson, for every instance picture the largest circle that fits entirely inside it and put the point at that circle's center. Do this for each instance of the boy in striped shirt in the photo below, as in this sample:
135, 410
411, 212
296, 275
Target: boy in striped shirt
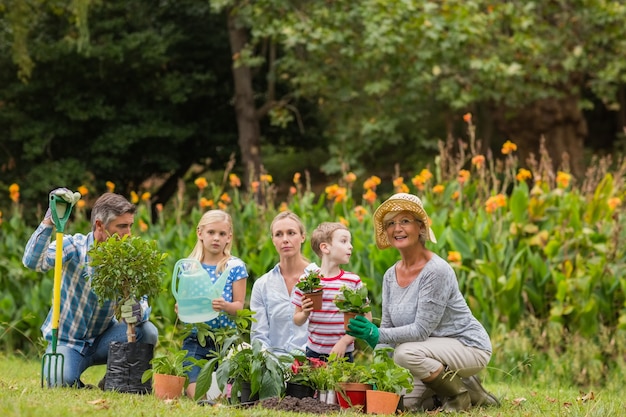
327, 335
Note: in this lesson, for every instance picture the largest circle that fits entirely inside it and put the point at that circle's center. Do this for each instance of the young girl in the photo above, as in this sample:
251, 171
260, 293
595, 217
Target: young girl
215, 239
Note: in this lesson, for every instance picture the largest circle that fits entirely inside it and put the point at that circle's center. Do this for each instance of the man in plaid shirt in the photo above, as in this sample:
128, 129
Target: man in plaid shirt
86, 325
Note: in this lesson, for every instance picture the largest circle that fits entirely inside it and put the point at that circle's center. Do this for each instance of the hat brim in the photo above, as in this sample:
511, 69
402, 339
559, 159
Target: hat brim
398, 205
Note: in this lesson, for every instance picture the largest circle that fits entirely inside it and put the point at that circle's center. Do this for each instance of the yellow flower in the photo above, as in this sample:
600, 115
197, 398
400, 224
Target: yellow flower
146, 196
478, 161
371, 183
201, 183
266, 178
454, 257
206, 203
614, 202
225, 198
283, 207
464, 175
563, 179
523, 175
370, 196
296, 178
134, 198
234, 181
438, 189
80, 204
83, 190
110, 186
343, 221
508, 147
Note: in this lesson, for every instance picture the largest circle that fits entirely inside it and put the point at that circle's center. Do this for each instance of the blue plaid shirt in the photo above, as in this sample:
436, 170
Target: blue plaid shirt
82, 318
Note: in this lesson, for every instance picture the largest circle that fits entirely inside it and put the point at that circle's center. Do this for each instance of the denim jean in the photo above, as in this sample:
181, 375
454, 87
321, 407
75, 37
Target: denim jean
195, 350
75, 363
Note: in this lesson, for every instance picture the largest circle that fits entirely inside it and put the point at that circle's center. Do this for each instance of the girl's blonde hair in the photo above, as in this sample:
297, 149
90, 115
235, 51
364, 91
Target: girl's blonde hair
214, 216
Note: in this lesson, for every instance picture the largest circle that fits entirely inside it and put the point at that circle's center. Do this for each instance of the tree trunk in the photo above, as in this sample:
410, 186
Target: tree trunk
559, 121
248, 124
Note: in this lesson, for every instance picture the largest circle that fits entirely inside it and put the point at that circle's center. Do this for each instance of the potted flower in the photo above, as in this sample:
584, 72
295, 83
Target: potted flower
168, 374
125, 269
311, 287
352, 302
389, 379
301, 377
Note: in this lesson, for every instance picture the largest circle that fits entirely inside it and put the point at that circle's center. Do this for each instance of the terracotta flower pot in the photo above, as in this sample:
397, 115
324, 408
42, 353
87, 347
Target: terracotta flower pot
317, 297
352, 394
381, 402
346, 319
168, 387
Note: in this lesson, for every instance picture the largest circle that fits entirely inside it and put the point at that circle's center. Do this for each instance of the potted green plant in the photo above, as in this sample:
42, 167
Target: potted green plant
389, 380
351, 380
168, 374
126, 269
301, 378
311, 287
352, 302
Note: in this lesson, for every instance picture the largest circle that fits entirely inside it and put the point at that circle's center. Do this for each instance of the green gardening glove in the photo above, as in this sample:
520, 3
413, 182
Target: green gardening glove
362, 328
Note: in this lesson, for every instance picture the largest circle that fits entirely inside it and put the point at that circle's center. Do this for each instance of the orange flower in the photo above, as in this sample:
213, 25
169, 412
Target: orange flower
110, 186
206, 203
478, 161
614, 202
438, 189
83, 190
350, 177
454, 257
455, 195
464, 175
14, 192
134, 198
201, 183
359, 213
563, 179
426, 174
225, 198
266, 178
343, 221
370, 196
234, 180
255, 186
508, 147
143, 226
293, 190
495, 202
371, 183
222, 206
159, 207
467, 117
523, 175
80, 204
341, 194
397, 182
283, 207
296, 178
146, 196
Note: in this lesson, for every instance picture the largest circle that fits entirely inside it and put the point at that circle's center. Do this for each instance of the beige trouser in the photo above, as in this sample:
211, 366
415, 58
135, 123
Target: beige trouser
424, 358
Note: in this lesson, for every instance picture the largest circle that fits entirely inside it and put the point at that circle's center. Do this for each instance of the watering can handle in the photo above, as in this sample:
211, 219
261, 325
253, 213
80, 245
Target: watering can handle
59, 206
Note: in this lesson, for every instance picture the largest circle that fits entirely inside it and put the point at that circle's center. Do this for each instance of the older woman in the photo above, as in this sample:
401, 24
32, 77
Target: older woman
424, 315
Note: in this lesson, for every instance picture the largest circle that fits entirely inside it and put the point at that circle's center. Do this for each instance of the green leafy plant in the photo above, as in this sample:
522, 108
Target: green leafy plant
310, 282
386, 375
351, 300
306, 371
340, 370
124, 268
170, 363
252, 363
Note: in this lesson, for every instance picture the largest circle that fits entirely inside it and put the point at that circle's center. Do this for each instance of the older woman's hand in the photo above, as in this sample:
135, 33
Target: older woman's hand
362, 328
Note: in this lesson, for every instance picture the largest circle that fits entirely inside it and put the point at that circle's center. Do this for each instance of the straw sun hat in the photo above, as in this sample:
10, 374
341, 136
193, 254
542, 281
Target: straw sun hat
399, 202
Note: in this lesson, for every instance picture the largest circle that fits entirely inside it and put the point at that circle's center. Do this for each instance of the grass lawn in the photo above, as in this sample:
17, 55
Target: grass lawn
21, 395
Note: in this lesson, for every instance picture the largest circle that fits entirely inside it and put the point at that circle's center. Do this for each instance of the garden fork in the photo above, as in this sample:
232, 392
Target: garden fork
52, 362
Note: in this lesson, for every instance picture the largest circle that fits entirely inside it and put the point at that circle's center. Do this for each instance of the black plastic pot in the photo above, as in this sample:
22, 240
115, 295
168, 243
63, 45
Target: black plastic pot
126, 364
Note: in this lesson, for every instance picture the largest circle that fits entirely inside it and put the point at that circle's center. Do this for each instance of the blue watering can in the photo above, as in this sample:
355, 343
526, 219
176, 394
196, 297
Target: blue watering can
194, 291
